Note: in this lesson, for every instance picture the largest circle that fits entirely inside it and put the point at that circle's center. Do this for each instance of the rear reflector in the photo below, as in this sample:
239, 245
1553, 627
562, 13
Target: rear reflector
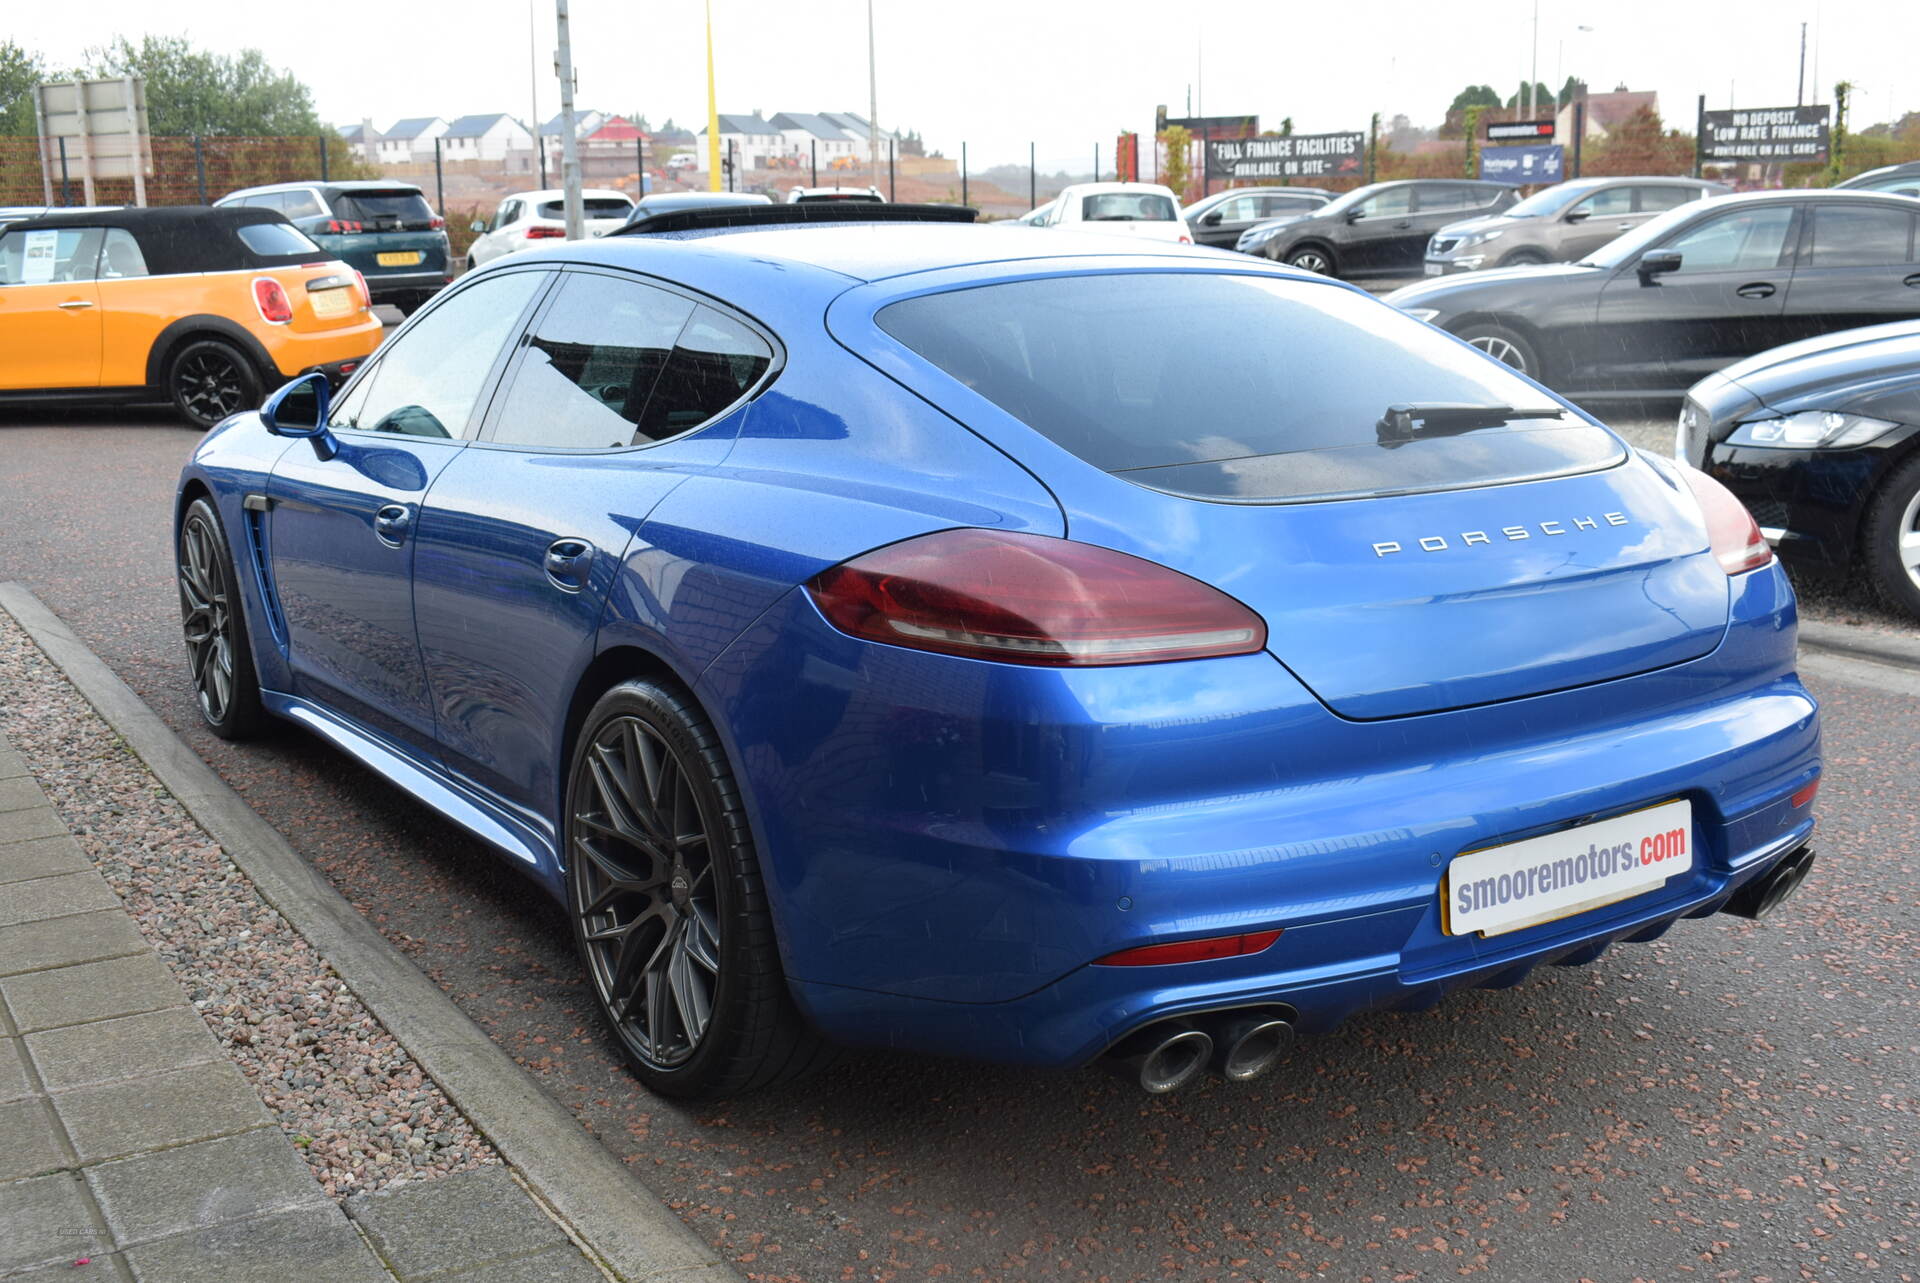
1031, 599
1159, 955
1805, 794
1732, 532
545, 233
271, 298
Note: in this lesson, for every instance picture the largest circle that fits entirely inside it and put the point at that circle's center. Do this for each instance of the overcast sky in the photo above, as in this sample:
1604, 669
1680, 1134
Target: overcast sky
998, 73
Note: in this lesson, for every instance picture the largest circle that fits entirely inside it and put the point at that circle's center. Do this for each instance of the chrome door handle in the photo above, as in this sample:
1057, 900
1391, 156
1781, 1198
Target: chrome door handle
1759, 289
1623, 226
1912, 281
72, 303
566, 563
390, 524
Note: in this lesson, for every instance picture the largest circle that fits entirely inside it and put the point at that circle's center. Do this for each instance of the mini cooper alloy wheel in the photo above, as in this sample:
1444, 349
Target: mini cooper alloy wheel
210, 384
644, 892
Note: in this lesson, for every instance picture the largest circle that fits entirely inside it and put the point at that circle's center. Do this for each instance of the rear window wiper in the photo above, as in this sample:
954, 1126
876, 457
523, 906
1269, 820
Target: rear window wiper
1441, 418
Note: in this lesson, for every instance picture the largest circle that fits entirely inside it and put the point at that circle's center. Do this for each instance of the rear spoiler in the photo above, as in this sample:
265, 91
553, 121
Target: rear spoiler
722, 217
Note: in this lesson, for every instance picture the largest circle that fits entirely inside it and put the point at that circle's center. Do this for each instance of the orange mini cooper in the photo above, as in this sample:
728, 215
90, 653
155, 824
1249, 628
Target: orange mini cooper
210, 308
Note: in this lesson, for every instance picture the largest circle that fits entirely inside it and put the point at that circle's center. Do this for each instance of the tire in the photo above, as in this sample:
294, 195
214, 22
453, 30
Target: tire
219, 650
1890, 538
1314, 258
679, 948
1505, 346
1524, 258
209, 379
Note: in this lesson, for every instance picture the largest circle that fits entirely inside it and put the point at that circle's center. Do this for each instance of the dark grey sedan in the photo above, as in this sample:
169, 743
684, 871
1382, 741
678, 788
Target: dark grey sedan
1690, 292
1381, 229
1219, 219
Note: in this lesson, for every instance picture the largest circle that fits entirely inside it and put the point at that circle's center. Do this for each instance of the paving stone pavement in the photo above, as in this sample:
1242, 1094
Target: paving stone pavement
129, 1141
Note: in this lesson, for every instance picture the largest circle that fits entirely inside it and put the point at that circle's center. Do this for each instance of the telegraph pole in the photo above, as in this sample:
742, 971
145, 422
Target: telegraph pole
1533, 76
569, 145
1800, 93
873, 104
533, 90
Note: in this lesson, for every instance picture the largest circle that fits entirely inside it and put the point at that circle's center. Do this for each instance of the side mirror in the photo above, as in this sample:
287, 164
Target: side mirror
1579, 215
1354, 215
299, 410
1211, 218
477, 225
1657, 263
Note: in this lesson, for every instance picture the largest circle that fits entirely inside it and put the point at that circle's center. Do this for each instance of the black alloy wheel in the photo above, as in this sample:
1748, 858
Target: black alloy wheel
209, 380
1524, 258
668, 909
219, 659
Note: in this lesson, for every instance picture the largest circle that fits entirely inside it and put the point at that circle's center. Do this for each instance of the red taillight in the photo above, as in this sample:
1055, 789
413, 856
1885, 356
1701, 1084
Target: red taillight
539, 233
338, 226
272, 300
1030, 599
348, 367
1186, 240
366, 295
1804, 794
1732, 532
1159, 955
437, 223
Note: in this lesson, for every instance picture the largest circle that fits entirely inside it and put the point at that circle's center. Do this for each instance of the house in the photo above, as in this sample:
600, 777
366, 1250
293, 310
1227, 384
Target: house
810, 136
856, 126
405, 141
364, 139
584, 123
490, 136
749, 139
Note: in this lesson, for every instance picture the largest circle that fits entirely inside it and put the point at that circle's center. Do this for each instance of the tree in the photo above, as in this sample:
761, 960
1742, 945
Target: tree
1542, 96
194, 91
1176, 139
1474, 96
20, 71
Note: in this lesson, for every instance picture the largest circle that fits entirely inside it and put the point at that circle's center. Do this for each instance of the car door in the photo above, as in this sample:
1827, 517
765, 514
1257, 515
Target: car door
1223, 224
1435, 206
524, 533
1858, 265
340, 529
1728, 300
50, 327
1595, 219
1377, 232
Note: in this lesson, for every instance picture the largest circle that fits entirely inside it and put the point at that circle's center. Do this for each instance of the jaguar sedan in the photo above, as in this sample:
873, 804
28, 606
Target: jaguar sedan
1006, 643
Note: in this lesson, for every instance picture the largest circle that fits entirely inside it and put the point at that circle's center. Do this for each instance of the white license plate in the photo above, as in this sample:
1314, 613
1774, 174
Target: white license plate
1434, 269
1556, 875
328, 304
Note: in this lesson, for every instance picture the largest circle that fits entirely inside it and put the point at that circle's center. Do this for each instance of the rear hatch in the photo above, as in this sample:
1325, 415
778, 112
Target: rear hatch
1142, 215
603, 214
398, 233
1241, 431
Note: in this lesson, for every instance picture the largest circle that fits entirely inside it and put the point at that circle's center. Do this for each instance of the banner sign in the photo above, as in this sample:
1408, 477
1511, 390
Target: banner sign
1524, 165
1296, 156
1778, 134
1211, 126
1515, 130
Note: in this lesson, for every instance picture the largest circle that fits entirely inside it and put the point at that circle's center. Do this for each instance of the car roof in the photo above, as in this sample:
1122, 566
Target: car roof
559, 193
343, 185
1806, 193
182, 238
1094, 189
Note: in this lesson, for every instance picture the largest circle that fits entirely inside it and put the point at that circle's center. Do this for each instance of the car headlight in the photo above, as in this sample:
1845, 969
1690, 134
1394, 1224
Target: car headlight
1810, 430
1422, 313
1258, 235
1689, 420
1473, 238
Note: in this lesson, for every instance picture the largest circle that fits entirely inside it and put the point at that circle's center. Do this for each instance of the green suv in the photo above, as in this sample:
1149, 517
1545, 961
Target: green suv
386, 230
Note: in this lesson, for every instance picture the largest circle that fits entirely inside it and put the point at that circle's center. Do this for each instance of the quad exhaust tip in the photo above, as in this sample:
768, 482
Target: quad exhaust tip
1770, 890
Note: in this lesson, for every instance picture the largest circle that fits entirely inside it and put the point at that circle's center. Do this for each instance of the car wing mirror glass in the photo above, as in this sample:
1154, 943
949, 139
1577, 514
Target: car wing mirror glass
1578, 215
1354, 215
1212, 218
477, 225
1658, 263
299, 410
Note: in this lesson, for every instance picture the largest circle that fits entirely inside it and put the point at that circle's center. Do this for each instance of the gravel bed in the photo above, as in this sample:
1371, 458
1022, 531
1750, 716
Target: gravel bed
348, 1096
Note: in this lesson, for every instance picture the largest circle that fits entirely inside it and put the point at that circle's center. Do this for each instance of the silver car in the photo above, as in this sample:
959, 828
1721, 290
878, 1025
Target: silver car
1560, 224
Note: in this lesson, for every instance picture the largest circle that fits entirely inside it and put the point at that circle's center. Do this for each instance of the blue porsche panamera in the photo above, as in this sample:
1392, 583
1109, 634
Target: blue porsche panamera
1003, 644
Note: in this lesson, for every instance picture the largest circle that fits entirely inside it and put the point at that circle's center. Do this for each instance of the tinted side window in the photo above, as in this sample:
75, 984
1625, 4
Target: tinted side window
1655, 199
1743, 240
1276, 206
1844, 237
429, 378
1395, 200
1440, 199
716, 362
591, 363
300, 204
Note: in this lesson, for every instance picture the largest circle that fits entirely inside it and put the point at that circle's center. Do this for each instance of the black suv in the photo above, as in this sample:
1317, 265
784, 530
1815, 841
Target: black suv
1382, 229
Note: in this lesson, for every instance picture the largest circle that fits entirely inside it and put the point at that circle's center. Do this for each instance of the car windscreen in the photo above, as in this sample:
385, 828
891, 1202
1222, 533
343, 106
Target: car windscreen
1550, 201
1240, 387
818, 198
401, 209
590, 207
1628, 246
1128, 207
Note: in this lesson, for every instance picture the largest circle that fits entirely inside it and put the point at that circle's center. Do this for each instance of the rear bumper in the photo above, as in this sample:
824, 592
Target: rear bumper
388, 284
948, 845
295, 353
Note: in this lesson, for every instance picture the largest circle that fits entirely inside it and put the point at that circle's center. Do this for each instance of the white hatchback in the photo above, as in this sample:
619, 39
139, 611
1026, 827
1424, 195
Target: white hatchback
1143, 211
526, 219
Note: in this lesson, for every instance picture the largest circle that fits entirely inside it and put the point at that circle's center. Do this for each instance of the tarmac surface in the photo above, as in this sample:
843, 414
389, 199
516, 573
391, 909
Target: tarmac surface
1734, 1101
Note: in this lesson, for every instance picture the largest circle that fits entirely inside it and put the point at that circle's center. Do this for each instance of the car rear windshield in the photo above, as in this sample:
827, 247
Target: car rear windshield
590, 207
402, 209
821, 198
1241, 387
1129, 207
